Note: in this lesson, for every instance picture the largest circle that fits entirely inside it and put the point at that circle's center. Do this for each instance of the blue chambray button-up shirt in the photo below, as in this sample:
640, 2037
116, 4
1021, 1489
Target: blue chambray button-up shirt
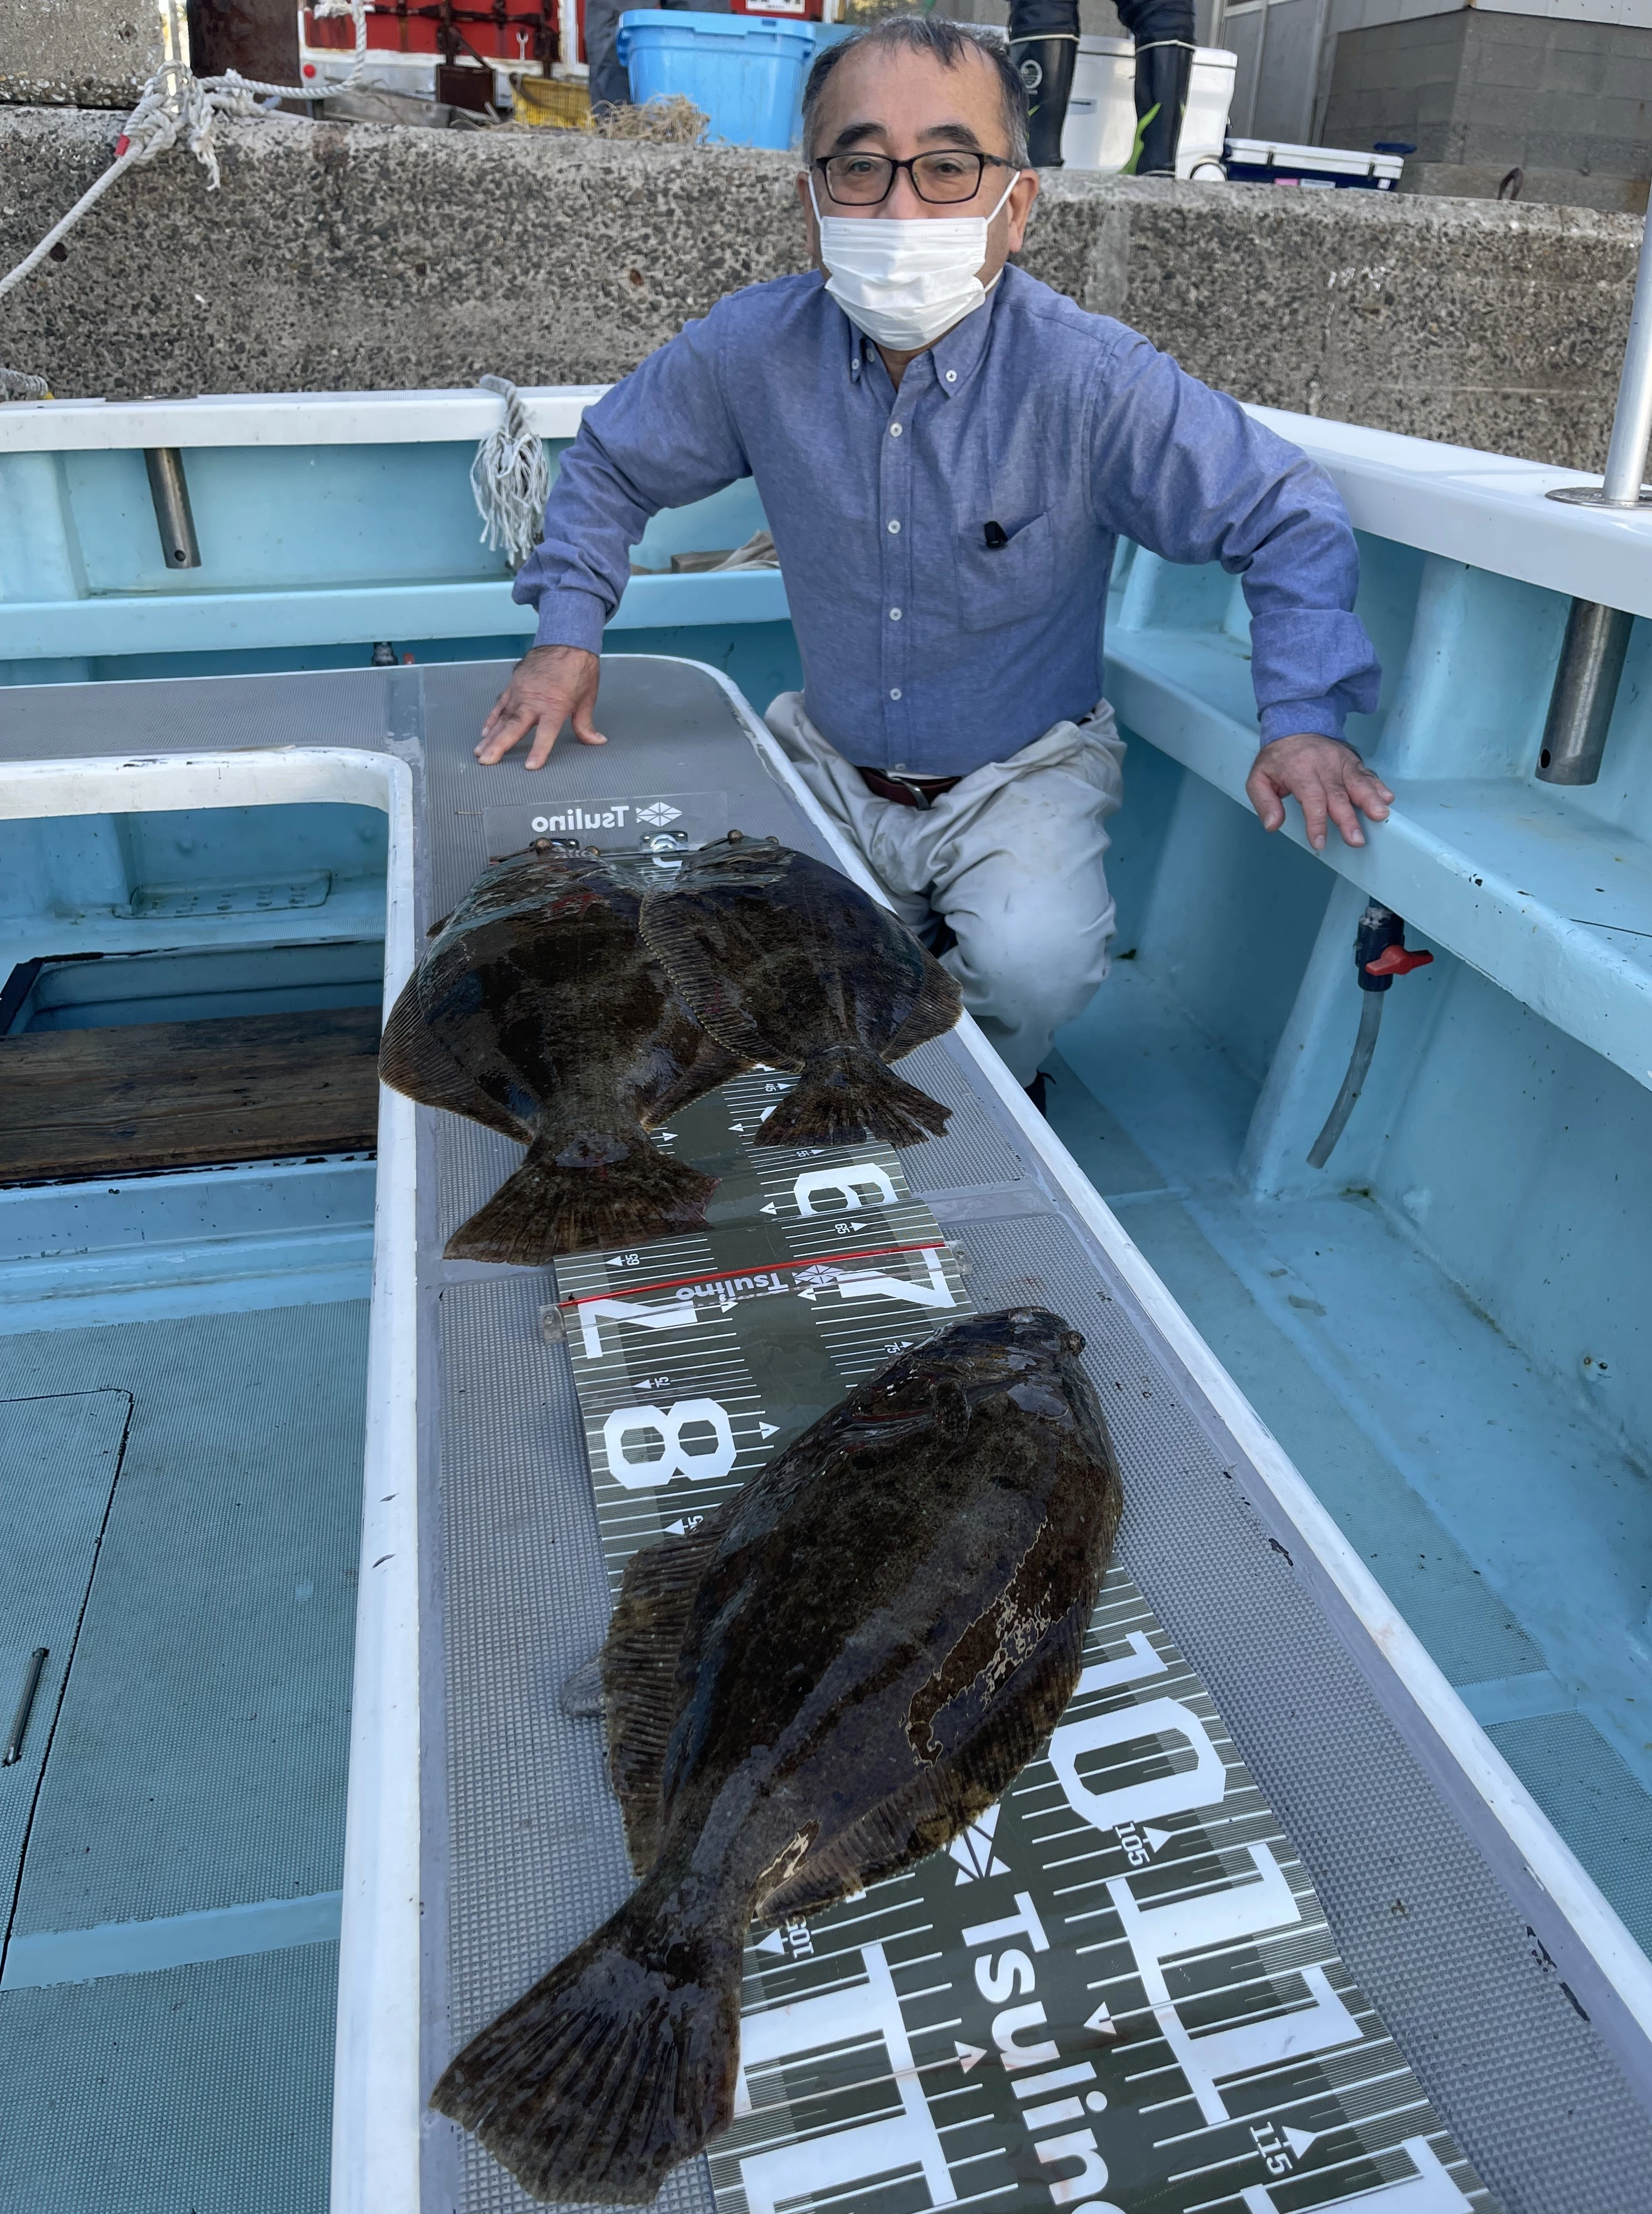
926, 647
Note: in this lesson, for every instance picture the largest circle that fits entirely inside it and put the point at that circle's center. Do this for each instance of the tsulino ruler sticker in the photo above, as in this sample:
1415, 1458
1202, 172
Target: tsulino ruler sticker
1117, 1992
1114, 1993
665, 821
697, 1357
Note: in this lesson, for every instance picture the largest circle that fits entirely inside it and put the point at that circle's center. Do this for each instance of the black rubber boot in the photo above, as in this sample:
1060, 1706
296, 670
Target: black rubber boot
1162, 73
1046, 68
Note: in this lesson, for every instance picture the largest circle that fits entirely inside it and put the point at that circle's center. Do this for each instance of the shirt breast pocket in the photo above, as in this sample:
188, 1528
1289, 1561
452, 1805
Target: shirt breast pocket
1005, 578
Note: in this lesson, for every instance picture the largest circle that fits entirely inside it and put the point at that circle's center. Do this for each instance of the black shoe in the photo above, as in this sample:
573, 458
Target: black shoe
1046, 69
1034, 1092
1163, 70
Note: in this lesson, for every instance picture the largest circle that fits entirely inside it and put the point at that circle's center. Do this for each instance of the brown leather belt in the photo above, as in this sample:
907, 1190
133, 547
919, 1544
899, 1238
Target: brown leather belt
906, 790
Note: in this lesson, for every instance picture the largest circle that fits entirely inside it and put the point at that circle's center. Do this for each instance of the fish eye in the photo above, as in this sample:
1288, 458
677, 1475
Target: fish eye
1072, 1340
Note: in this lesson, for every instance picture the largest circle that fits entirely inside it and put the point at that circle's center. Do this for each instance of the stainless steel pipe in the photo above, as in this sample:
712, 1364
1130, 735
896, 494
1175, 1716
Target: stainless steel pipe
1585, 694
1632, 425
169, 490
1597, 637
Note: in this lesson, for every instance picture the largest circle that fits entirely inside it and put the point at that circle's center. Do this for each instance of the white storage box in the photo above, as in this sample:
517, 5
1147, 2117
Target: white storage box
1100, 128
1266, 162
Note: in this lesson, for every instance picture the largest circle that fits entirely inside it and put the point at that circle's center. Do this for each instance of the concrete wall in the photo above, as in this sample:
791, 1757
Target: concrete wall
1479, 94
84, 54
340, 255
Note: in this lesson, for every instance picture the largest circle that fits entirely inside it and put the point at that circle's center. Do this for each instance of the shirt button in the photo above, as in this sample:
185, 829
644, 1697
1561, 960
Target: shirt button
895, 692
952, 376
894, 430
895, 529
895, 614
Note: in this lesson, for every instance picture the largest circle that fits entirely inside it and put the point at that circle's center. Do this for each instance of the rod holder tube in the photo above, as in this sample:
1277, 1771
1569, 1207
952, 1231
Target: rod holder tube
19, 1730
1585, 693
169, 490
1631, 424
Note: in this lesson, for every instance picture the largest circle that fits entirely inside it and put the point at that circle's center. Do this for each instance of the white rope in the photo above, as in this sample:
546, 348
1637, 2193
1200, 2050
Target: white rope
175, 104
510, 478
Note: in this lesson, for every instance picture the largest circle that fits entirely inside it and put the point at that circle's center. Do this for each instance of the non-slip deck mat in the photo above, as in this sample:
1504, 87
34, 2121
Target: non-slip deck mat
200, 1749
197, 2090
1525, 2085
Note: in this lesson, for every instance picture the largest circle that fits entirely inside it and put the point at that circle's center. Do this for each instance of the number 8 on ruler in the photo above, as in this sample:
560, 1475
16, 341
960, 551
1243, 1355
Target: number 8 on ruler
702, 1465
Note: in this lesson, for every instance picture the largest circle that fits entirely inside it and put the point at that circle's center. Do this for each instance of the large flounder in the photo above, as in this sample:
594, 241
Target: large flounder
830, 1678
538, 1010
786, 962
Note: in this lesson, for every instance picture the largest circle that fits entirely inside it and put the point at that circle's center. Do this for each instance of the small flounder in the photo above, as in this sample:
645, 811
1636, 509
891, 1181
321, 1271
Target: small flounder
538, 1010
786, 962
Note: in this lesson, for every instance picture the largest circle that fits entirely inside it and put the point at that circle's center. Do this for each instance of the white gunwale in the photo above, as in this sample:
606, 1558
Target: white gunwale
1487, 509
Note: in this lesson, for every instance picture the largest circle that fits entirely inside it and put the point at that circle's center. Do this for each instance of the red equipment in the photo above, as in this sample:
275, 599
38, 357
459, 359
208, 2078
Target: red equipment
501, 35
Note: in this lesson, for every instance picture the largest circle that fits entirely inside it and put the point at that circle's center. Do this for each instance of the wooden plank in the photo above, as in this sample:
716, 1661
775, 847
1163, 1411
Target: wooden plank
147, 1096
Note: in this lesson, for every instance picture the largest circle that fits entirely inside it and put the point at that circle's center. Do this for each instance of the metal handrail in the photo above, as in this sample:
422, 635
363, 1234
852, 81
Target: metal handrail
1597, 637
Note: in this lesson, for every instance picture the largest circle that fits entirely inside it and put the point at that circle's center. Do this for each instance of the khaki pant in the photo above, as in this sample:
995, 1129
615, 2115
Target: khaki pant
1011, 858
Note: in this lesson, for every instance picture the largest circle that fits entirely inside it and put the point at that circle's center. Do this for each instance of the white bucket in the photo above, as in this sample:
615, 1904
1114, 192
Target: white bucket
1100, 127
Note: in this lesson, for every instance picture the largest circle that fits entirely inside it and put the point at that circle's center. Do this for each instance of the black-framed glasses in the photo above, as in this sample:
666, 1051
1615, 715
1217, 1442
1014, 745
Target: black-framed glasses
942, 178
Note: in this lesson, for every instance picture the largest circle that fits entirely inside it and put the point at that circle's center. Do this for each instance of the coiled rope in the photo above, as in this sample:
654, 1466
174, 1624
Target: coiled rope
176, 104
510, 478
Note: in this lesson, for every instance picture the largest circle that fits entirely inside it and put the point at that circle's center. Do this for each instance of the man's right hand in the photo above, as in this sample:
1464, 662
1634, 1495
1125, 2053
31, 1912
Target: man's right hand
548, 686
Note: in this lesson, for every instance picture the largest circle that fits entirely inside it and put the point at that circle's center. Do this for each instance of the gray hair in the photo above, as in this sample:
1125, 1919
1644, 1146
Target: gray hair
949, 43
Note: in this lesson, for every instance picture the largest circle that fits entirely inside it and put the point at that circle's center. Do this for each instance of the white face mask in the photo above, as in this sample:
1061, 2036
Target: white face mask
904, 281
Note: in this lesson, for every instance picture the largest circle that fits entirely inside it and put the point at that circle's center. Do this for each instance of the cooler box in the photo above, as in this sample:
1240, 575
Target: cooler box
1263, 162
745, 72
1100, 128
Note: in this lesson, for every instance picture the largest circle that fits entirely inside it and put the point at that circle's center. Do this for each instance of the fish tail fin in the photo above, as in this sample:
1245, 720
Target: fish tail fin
547, 1207
617, 2065
847, 1095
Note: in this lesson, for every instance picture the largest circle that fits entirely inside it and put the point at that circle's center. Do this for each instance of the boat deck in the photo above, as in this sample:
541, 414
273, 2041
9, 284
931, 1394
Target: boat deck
1429, 1895
184, 1494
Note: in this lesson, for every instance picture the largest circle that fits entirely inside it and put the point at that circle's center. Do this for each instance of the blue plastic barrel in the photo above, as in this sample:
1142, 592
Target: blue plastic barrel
746, 71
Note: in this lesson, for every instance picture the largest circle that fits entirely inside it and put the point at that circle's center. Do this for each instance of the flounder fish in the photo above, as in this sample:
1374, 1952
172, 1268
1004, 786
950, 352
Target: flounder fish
786, 962
828, 1679
538, 1010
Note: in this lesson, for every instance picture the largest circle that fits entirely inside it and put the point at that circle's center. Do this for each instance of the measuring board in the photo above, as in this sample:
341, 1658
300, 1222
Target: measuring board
1117, 1992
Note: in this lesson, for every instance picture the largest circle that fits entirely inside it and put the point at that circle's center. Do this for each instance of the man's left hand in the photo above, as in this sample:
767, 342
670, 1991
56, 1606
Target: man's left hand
1326, 777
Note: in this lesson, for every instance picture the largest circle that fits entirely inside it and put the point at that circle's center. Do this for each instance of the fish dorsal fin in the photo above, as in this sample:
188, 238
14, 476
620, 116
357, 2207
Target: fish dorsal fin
691, 941
936, 1009
412, 1062
711, 1064
642, 1695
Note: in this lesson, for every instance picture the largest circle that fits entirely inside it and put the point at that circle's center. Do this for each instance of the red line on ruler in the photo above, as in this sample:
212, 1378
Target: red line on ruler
767, 1269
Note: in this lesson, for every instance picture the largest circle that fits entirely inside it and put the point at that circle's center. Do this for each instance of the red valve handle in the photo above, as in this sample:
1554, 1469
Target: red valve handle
1396, 961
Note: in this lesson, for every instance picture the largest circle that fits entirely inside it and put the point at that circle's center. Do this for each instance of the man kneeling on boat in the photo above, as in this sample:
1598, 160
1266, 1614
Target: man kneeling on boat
948, 453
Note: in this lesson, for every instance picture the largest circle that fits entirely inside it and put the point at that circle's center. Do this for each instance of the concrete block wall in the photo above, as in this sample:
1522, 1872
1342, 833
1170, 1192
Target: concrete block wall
1480, 92
84, 54
345, 256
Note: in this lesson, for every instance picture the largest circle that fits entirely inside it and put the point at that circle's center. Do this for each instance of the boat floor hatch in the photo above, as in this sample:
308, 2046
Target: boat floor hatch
169, 1939
1454, 1945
